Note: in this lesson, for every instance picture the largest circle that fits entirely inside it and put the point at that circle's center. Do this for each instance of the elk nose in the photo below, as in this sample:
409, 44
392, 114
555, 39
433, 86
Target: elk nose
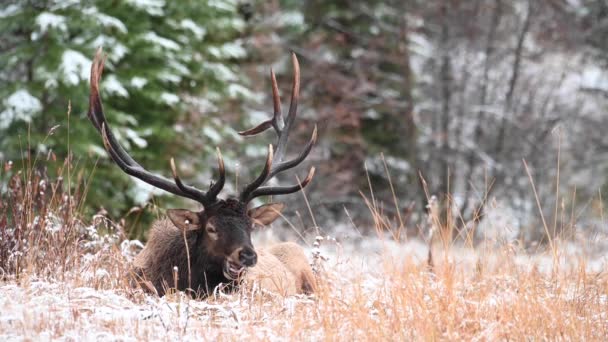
248, 257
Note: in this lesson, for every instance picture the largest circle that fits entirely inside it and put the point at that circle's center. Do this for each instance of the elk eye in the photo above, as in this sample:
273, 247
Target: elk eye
212, 232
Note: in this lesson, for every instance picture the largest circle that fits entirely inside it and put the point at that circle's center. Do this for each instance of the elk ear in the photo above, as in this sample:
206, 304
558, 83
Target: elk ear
184, 219
265, 214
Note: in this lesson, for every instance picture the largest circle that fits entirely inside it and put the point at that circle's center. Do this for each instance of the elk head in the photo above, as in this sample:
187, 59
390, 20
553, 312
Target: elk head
224, 225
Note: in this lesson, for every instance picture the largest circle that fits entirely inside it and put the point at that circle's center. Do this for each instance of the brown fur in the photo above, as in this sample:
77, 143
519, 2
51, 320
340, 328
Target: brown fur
282, 268
283, 263
166, 249
293, 257
271, 274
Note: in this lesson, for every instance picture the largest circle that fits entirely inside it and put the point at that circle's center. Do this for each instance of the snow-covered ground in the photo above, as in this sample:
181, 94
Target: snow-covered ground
371, 289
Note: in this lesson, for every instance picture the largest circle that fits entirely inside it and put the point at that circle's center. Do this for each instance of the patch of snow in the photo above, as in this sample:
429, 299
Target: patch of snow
136, 138
222, 72
119, 50
169, 98
46, 21
106, 20
116, 50
163, 42
229, 50
112, 85
130, 248
293, 18
236, 90
201, 103
152, 7
179, 67
74, 67
97, 150
594, 77
142, 192
19, 106
57, 5
9, 10
212, 134
138, 82
254, 151
198, 31
226, 5
499, 225
169, 77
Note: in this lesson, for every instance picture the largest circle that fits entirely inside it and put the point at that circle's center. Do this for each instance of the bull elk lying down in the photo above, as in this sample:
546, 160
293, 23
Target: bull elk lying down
218, 249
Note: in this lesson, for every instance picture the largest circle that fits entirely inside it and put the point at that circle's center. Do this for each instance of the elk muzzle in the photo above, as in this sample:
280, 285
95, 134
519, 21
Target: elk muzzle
238, 261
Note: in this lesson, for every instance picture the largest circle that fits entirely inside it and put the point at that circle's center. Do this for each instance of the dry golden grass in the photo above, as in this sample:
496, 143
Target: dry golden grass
495, 298
66, 281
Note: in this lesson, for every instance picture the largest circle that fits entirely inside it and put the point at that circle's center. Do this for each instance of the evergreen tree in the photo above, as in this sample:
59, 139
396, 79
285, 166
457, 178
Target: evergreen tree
170, 66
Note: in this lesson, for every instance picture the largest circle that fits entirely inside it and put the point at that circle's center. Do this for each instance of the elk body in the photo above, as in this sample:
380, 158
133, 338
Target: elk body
199, 250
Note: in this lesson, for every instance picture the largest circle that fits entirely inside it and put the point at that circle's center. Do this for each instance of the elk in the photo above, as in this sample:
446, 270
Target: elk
199, 250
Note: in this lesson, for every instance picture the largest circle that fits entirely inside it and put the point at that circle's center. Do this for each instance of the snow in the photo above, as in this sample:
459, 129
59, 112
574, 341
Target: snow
237, 90
136, 138
115, 49
229, 50
9, 10
46, 21
198, 31
112, 85
152, 7
155, 39
169, 98
96, 150
138, 82
292, 18
19, 106
179, 67
222, 72
142, 192
594, 77
500, 224
74, 67
226, 5
212, 134
368, 276
106, 20
169, 77
203, 104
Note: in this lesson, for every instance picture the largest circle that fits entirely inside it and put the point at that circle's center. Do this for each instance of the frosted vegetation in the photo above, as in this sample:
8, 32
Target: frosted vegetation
462, 164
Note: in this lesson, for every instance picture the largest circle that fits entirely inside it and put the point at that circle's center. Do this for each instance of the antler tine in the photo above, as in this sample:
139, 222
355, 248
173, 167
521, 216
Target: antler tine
215, 189
286, 165
283, 190
95, 112
245, 195
276, 121
126, 163
193, 192
293, 108
282, 128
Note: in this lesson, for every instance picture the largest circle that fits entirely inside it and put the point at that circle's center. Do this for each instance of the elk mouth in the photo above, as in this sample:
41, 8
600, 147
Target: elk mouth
233, 270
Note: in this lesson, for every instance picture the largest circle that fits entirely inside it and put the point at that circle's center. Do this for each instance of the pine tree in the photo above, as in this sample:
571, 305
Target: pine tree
170, 66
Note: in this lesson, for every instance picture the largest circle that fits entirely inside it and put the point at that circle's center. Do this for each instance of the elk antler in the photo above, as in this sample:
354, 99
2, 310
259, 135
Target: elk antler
274, 161
130, 166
